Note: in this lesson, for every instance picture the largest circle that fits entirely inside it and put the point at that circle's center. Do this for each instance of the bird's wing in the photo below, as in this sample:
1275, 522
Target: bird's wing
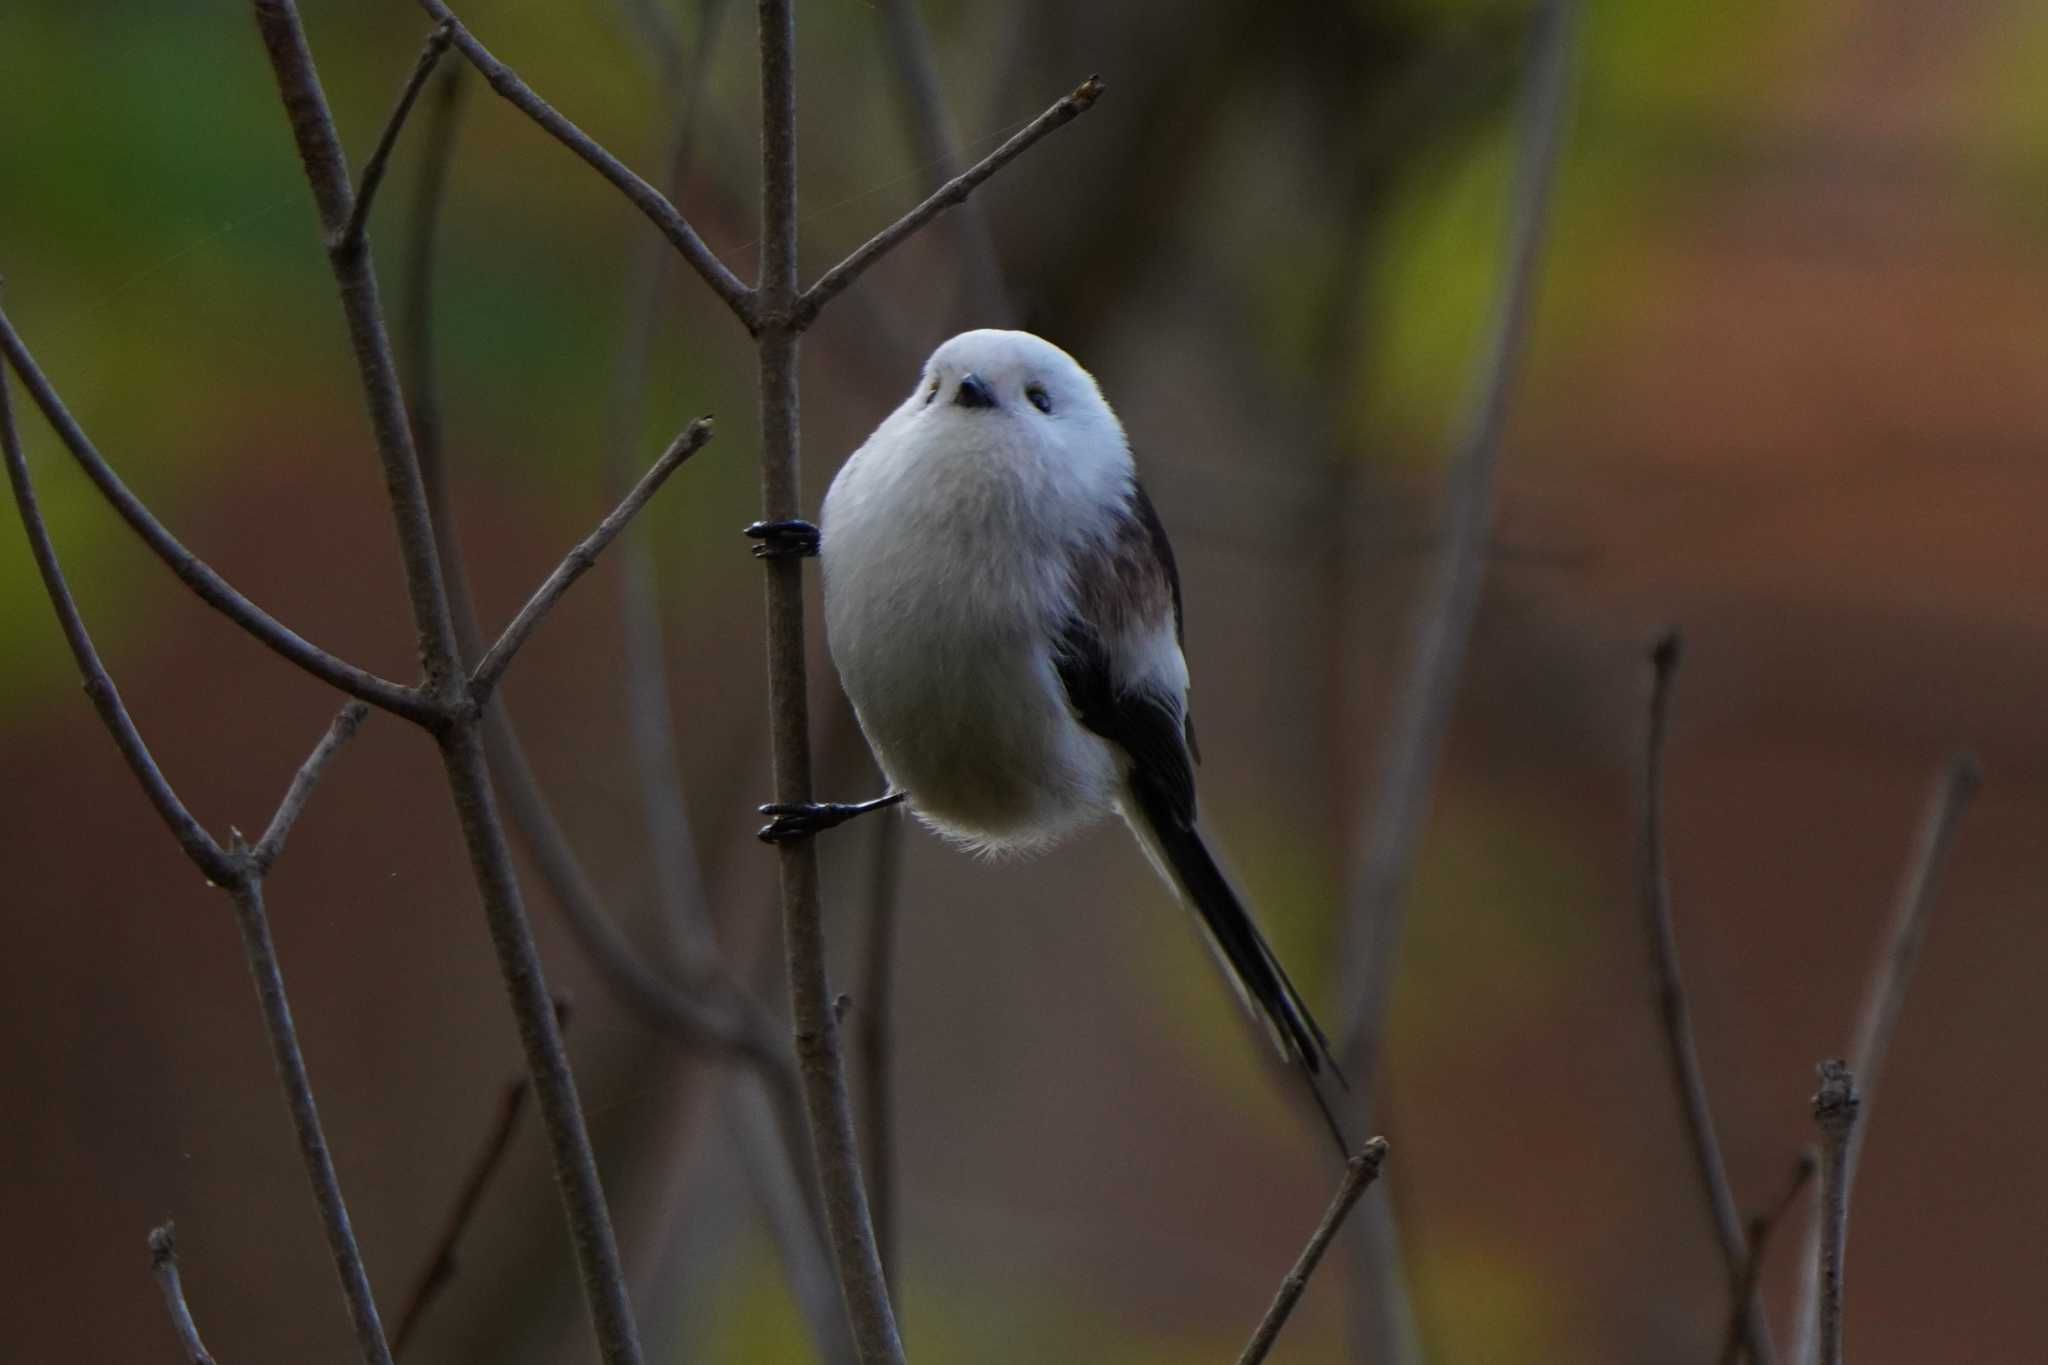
1109, 659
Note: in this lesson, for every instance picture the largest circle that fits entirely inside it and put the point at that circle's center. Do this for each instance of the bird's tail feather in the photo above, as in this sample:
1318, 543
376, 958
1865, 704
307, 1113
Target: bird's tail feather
1176, 848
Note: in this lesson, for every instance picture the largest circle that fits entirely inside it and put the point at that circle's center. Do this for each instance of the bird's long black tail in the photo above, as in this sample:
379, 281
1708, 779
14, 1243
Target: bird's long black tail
1176, 846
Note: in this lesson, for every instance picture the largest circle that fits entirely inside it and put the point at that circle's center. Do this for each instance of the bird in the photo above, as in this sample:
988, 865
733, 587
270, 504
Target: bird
1005, 614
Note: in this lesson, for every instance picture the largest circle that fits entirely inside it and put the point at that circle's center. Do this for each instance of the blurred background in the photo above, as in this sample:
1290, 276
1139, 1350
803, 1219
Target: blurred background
1785, 389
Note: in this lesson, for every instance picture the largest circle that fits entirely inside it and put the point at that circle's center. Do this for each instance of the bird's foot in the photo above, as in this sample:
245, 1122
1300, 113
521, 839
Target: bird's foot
790, 539
801, 819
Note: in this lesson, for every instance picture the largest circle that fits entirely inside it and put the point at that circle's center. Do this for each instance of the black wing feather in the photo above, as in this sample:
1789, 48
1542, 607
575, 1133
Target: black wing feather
1151, 728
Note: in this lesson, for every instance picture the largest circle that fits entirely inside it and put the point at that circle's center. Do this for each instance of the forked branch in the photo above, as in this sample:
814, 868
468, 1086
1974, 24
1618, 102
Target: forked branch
303, 781
351, 235
193, 572
643, 196
199, 846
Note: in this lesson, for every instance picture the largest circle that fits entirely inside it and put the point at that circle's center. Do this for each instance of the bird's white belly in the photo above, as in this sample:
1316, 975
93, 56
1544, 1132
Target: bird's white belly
943, 648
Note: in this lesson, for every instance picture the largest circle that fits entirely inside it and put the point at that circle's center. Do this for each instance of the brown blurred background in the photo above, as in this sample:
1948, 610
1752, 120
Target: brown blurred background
1786, 389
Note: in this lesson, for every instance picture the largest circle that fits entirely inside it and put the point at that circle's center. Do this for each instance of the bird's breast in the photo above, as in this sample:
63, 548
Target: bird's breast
941, 597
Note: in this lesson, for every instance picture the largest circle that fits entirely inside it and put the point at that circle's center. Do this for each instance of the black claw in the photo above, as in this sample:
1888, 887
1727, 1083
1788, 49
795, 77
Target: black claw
790, 539
801, 819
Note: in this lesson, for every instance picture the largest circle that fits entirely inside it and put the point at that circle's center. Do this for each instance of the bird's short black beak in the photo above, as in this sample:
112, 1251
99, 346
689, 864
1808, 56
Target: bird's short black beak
973, 393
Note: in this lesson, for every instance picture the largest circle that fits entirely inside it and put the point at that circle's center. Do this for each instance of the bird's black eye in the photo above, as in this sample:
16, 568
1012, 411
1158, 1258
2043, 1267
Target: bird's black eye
1040, 399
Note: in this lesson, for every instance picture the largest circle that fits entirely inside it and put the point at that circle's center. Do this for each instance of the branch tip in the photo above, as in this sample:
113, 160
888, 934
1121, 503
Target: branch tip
163, 1245
834, 281
1836, 1102
1668, 651
580, 559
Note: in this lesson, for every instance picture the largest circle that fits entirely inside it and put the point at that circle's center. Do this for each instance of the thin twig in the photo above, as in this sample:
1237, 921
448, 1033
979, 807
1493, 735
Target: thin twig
1834, 1111
728, 1019
1878, 1018
338, 733
1359, 1173
380, 156
442, 1265
734, 1023
1063, 111
638, 192
876, 1041
261, 953
819, 1063
199, 846
579, 560
1884, 993
1760, 1229
1675, 1014
211, 588
575, 1164
1442, 627
163, 1260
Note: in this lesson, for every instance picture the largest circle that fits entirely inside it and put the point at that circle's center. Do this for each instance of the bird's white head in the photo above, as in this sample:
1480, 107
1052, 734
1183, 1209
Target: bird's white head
1019, 383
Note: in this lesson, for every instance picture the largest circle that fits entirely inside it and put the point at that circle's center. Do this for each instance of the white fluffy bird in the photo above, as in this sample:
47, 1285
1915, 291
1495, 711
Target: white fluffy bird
1005, 614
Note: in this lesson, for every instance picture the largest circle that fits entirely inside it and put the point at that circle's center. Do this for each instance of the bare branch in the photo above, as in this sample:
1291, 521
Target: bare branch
736, 1024
1834, 1111
876, 1041
1884, 993
834, 1150
1673, 1011
1442, 627
1760, 1229
575, 1164
834, 281
442, 1265
199, 846
579, 560
261, 953
1359, 1173
338, 733
163, 1260
642, 195
351, 236
212, 589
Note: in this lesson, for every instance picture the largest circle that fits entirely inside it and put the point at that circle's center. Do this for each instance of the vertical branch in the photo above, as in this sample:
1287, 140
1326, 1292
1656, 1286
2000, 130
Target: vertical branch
1673, 1011
1834, 1111
728, 1021
298, 1089
834, 1149
547, 1061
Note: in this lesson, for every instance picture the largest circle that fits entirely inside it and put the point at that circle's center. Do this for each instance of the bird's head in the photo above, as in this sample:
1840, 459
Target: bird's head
990, 374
